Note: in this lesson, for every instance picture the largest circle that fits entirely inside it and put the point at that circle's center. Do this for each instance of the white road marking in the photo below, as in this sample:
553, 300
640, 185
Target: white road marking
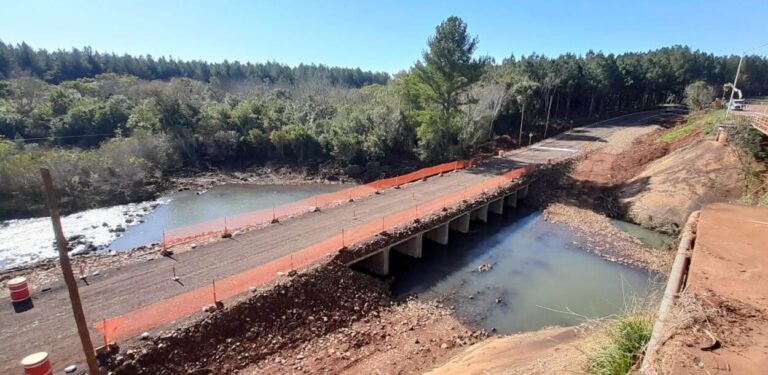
554, 149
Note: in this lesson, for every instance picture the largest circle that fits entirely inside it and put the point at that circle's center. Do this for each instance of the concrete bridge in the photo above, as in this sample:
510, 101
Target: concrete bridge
377, 261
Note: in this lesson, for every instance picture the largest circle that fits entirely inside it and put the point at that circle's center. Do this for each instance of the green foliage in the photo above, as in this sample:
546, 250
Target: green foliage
627, 338
121, 170
705, 121
699, 95
677, 133
436, 89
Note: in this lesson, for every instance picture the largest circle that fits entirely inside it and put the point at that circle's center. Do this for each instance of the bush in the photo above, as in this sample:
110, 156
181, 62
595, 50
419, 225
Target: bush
120, 171
627, 338
698, 95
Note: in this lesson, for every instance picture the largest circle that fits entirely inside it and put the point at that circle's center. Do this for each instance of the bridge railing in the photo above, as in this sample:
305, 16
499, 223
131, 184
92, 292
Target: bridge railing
758, 120
253, 219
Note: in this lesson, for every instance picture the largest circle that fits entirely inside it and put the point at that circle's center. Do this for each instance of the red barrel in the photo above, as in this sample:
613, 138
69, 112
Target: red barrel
37, 364
19, 289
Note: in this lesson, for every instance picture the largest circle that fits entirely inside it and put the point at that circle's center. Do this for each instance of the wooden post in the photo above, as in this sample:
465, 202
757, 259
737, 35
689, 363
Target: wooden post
69, 278
213, 283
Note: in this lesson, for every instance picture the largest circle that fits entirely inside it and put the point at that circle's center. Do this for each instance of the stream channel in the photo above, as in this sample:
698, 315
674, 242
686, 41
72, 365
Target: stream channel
539, 276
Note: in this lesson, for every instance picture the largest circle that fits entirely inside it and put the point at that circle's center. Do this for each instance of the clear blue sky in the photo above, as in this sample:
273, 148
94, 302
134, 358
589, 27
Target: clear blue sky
377, 35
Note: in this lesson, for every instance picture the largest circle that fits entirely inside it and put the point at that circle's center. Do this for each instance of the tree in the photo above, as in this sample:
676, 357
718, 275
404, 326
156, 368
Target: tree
438, 85
698, 95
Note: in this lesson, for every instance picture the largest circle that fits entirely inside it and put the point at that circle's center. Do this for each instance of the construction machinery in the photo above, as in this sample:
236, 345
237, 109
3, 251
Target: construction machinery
734, 104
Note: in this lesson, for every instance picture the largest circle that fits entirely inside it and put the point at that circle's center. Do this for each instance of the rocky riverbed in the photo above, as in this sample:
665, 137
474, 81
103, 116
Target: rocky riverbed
27, 241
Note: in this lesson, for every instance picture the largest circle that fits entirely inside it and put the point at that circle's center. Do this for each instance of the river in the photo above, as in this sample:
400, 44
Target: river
28, 240
539, 277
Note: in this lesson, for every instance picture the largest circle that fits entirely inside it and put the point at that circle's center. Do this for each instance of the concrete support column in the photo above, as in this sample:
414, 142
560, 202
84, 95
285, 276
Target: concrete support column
522, 192
460, 224
497, 206
511, 199
377, 263
480, 213
411, 247
439, 234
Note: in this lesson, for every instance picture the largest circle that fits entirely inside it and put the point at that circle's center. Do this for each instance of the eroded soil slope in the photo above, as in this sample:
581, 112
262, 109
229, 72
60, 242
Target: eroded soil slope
670, 188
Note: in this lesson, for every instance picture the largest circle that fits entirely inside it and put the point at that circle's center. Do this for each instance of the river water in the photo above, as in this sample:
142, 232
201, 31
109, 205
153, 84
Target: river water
539, 278
29, 240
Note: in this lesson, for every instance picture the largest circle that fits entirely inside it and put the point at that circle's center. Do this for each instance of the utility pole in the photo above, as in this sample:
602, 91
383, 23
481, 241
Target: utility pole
549, 108
733, 89
66, 269
522, 117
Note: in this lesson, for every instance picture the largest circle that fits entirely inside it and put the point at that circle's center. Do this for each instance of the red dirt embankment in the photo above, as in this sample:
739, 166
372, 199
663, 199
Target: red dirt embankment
720, 324
328, 319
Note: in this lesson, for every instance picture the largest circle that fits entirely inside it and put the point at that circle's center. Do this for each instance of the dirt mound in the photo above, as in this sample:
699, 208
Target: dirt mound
663, 195
405, 338
322, 300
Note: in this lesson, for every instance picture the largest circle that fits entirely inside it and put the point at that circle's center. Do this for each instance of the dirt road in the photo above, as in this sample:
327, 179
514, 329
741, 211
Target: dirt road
726, 297
49, 326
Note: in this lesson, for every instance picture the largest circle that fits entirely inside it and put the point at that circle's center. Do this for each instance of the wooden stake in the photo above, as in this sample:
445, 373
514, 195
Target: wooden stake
213, 282
104, 334
69, 278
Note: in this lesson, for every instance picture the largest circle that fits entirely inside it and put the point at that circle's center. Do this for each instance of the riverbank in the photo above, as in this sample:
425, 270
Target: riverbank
598, 235
260, 175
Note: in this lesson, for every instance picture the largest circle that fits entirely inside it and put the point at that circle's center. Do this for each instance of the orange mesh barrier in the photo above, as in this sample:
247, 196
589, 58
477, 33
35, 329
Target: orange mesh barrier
187, 303
256, 218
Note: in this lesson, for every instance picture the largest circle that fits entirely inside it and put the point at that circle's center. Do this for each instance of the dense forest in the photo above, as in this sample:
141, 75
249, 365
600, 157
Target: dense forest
59, 66
110, 127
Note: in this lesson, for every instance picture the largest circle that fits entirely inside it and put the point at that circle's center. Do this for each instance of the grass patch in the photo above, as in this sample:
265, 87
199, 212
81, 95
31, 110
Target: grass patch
705, 121
626, 338
677, 133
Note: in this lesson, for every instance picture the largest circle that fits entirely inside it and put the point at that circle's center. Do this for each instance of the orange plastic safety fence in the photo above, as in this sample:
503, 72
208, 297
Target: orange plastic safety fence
187, 303
256, 218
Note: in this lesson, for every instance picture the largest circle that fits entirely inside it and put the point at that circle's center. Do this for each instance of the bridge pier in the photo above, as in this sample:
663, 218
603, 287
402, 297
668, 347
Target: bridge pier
522, 192
480, 213
497, 206
511, 199
377, 263
411, 247
460, 224
438, 234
